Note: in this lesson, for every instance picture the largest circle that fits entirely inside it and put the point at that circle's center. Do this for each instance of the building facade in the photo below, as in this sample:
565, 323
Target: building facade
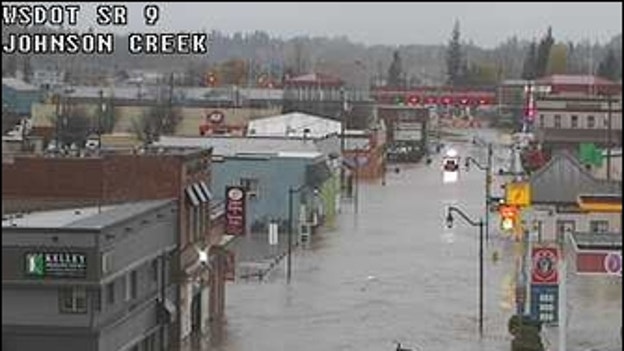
555, 189
95, 278
128, 176
19, 97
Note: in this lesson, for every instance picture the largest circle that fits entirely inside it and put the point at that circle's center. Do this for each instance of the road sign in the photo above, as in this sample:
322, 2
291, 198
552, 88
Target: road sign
544, 265
518, 194
273, 230
545, 303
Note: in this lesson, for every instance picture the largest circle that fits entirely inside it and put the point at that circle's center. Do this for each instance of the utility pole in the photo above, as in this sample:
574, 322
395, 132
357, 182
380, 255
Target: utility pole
609, 137
99, 124
343, 123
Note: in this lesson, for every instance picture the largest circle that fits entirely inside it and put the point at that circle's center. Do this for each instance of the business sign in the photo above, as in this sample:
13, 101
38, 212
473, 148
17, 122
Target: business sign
234, 210
216, 117
408, 134
599, 262
544, 265
56, 264
518, 194
545, 303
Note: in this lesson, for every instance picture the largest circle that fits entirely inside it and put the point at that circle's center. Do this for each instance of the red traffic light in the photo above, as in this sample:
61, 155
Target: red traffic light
413, 100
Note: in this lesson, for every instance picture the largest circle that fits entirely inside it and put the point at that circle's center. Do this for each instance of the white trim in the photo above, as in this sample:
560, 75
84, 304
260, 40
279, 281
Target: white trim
134, 265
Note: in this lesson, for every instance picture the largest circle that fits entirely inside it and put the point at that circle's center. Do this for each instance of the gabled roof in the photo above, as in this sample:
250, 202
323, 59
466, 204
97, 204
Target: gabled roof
293, 125
563, 178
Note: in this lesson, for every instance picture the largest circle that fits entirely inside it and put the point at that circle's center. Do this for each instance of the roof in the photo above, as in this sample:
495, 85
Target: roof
231, 146
318, 78
553, 135
84, 218
570, 79
563, 178
18, 84
293, 125
597, 241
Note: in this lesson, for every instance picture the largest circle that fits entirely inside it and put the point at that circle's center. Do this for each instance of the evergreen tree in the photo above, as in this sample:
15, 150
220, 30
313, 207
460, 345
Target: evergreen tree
608, 67
454, 62
528, 68
395, 72
543, 54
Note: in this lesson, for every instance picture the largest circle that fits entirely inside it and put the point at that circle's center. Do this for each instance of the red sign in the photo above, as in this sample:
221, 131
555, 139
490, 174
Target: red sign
544, 265
599, 262
235, 210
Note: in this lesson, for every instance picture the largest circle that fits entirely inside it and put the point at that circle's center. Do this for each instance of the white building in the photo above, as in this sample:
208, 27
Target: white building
294, 124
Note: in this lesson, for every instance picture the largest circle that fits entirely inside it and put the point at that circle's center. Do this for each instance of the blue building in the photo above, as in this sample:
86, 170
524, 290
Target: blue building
19, 96
268, 168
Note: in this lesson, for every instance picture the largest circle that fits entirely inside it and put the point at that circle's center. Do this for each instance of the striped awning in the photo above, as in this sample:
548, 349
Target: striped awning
600, 203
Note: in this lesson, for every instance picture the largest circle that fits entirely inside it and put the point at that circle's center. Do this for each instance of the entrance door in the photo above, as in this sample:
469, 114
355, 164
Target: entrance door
565, 227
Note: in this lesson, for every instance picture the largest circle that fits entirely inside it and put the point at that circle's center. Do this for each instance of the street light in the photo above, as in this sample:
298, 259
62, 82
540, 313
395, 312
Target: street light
488, 185
449, 224
291, 192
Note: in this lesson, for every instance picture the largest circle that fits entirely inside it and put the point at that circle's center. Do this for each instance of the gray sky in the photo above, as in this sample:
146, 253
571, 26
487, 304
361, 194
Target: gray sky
486, 24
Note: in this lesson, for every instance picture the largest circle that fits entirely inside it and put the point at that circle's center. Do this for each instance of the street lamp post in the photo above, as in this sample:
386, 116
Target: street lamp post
291, 192
609, 138
480, 224
488, 185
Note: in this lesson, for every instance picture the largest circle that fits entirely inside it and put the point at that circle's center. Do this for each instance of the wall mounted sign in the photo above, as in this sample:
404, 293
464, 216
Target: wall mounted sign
235, 210
544, 265
56, 264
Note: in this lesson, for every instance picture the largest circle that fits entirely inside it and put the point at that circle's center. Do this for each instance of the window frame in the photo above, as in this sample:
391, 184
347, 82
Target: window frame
557, 121
110, 293
594, 226
75, 294
591, 122
574, 121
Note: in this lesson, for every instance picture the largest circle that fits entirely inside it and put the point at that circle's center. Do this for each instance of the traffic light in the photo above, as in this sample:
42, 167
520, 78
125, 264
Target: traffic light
413, 100
509, 218
399, 100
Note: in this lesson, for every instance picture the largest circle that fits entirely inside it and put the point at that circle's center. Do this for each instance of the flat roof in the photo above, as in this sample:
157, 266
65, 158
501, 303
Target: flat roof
597, 241
92, 217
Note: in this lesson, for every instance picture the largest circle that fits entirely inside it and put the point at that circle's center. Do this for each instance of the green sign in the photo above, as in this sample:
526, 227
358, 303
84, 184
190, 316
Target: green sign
590, 154
56, 264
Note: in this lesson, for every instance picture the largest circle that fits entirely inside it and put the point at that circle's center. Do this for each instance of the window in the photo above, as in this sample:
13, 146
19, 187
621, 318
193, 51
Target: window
599, 226
73, 300
127, 287
541, 121
133, 284
591, 122
565, 227
557, 121
106, 262
154, 270
251, 185
574, 121
110, 293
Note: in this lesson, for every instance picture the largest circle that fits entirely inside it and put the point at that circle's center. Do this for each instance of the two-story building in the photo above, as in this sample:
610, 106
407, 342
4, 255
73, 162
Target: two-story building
578, 109
31, 183
95, 278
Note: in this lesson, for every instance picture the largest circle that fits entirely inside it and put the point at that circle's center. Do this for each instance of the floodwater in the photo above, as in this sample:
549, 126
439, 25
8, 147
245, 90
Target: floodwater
392, 272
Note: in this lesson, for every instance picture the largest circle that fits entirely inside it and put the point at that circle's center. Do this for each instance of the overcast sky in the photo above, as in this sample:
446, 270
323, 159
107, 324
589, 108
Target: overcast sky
486, 24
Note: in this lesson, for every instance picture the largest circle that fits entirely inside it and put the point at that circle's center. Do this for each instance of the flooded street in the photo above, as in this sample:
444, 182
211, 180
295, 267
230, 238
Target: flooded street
392, 272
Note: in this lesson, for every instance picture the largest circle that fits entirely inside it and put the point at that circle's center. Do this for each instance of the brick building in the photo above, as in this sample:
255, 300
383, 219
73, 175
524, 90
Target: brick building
42, 182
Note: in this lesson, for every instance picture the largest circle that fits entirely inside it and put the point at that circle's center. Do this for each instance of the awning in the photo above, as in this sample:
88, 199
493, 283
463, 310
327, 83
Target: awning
200, 193
600, 203
205, 189
191, 195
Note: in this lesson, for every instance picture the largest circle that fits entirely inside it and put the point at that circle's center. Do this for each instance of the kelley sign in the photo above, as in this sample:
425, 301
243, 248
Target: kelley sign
56, 264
